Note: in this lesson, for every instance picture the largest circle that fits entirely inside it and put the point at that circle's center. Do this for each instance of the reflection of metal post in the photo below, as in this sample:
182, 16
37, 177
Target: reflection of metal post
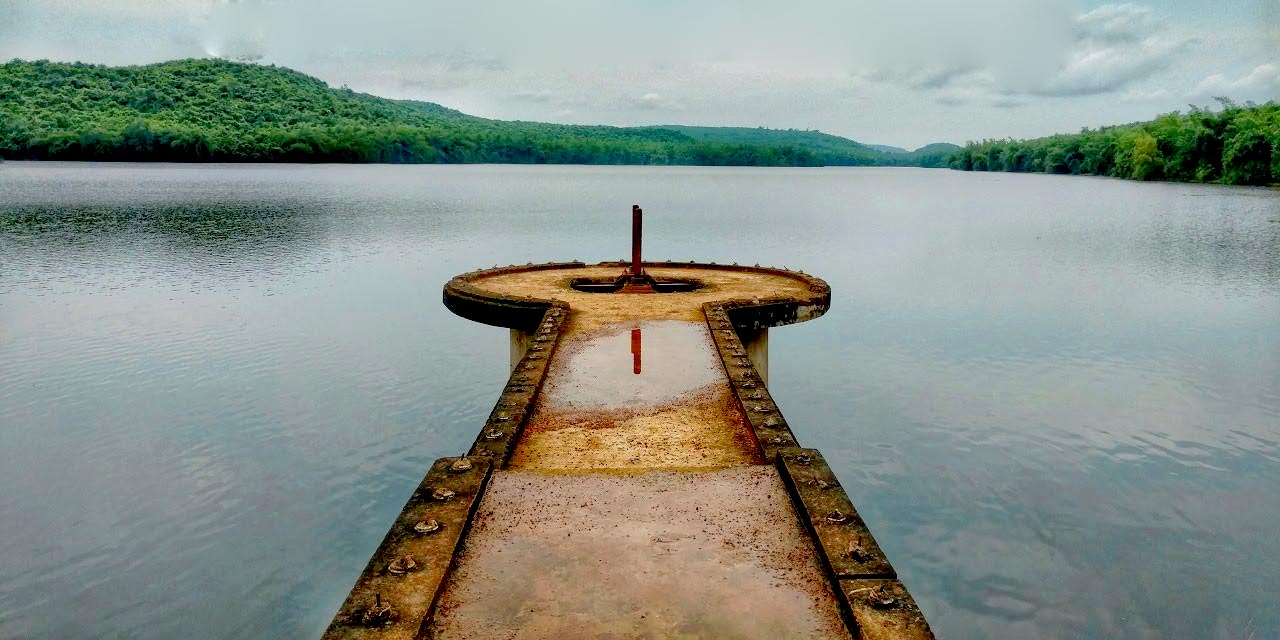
635, 351
637, 216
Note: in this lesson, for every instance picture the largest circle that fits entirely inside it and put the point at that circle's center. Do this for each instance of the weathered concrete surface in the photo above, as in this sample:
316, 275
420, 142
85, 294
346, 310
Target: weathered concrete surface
594, 310
663, 554
653, 396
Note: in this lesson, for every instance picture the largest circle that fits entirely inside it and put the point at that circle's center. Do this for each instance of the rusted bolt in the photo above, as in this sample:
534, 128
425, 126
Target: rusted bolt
760, 408
837, 517
402, 565
756, 395
856, 551
529, 366
541, 339
820, 484
880, 598
427, 526
747, 384
461, 464
442, 494
377, 614
803, 459
502, 417
772, 423
493, 434
778, 441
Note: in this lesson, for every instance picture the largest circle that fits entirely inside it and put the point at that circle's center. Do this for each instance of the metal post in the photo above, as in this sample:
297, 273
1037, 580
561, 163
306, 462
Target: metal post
637, 216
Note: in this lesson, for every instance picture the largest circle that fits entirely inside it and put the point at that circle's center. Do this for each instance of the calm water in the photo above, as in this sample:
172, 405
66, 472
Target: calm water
218, 384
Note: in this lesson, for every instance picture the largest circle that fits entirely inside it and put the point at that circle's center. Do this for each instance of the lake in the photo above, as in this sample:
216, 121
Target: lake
220, 383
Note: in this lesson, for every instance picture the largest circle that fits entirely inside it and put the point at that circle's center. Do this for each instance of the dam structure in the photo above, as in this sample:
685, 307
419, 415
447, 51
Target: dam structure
635, 478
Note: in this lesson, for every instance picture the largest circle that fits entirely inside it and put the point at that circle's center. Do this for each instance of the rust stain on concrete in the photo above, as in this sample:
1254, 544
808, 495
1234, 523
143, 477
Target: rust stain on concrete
705, 430
663, 554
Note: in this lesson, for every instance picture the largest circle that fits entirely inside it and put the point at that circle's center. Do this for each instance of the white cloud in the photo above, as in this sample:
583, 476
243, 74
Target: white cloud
1263, 83
1116, 46
1118, 23
654, 101
1106, 50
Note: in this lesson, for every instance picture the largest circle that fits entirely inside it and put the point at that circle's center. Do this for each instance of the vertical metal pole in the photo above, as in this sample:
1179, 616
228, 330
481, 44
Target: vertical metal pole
636, 232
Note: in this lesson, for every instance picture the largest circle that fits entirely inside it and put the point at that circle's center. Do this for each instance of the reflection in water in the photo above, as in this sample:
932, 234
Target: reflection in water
591, 374
1058, 396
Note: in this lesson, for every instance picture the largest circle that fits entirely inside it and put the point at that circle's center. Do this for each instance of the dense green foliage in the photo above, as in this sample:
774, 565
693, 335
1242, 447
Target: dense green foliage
1233, 145
215, 110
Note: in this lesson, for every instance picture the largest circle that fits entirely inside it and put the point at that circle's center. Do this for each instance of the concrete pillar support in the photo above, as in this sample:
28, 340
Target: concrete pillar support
520, 343
756, 344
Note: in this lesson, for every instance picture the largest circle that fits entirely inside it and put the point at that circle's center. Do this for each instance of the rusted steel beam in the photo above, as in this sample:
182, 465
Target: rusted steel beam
884, 610
502, 430
871, 594
767, 423
400, 585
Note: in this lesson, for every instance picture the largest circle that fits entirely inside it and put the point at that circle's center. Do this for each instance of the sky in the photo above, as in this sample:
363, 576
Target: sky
899, 72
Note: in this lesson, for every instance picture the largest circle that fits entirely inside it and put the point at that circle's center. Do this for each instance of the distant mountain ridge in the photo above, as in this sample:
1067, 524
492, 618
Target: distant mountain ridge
216, 110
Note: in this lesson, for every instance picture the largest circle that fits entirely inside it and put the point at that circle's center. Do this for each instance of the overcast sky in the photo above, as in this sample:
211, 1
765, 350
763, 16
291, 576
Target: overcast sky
901, 72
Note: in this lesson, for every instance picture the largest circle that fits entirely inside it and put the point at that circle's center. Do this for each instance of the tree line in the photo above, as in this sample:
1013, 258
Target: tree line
1234, 144
215, 110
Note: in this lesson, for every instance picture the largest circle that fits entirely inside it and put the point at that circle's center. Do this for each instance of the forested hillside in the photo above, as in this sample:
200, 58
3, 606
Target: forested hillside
215, 110
1232, 145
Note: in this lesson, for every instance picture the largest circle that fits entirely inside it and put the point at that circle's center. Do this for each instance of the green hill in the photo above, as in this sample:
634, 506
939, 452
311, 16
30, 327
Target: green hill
216, 110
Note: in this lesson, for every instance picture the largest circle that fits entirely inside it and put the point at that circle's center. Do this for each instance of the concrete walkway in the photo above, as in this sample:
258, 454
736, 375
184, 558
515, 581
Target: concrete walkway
636, 503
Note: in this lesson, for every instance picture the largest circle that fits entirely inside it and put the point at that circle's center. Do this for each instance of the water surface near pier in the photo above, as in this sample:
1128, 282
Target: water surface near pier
1055, 400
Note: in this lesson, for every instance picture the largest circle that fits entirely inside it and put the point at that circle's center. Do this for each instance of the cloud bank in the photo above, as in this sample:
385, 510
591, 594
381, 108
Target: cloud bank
904, 71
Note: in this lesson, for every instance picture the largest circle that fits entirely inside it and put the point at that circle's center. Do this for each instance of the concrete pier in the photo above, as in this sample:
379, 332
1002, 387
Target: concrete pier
635, 479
